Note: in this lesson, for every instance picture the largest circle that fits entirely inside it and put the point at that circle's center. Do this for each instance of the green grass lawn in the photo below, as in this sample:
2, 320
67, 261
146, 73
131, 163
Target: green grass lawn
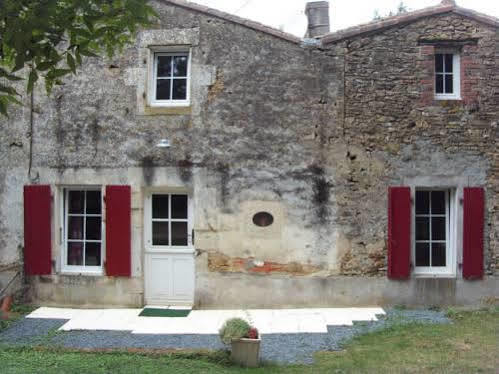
469, 345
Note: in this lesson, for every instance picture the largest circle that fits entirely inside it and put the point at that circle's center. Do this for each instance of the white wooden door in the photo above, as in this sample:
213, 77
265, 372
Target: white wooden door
169, 278
169, 252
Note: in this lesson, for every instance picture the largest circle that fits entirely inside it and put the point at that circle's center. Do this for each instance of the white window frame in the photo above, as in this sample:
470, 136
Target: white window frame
451, 207
87, 270
153, 71
189, 248
456, 76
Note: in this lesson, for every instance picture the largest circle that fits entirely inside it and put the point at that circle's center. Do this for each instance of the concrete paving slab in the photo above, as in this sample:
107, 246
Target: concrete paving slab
268, 321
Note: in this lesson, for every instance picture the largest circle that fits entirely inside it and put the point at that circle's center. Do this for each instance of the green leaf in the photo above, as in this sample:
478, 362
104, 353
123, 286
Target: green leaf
8, 90
71, 62
78, 56
3, 106
56, 73
45, 65
13, 100
86, 52
19, 61
33, 77
11, 77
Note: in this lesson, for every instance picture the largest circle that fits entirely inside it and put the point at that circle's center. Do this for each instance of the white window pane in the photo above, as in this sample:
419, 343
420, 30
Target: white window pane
439, 63
422, 202
93, 202
448, 63
449, 84
75, 253
438, 254
179, 233
422, 254
163, 89
92, 254
160, 206
93, 228
164, 64
76, 202
179, 206
422, 228
180, 66
438, 228
160, 233
438, 202
179, 89
75, 228
439, 84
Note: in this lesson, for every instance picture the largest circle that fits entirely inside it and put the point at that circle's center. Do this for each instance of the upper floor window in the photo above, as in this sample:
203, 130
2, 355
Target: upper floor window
447, 75
170, 79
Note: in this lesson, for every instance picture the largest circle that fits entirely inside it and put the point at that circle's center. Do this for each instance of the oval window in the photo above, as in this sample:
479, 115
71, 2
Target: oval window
263, 219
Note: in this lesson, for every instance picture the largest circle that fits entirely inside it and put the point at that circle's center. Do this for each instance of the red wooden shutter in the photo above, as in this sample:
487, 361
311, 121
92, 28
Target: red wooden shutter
37, 230
118, 230
473, 221
399, 232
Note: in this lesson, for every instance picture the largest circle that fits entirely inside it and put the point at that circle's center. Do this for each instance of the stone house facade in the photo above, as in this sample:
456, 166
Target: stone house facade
221, 163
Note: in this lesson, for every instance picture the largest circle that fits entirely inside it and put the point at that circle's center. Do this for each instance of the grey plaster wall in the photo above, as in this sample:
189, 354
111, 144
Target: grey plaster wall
313, 135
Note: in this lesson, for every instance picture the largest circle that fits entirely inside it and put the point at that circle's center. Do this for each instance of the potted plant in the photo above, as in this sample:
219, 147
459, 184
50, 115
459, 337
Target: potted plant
244, 340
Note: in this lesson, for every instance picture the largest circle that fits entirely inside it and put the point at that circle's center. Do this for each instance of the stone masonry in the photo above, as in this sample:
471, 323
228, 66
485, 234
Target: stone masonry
313, 134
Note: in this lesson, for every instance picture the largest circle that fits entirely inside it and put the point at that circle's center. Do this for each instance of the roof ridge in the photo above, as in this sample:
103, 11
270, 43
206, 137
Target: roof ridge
235, 19
405, 18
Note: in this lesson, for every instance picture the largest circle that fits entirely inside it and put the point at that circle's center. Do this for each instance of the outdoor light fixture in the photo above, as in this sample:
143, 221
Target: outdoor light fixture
163, 143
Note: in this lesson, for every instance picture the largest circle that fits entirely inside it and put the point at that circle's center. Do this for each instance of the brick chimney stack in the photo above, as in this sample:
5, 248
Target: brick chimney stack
318, 18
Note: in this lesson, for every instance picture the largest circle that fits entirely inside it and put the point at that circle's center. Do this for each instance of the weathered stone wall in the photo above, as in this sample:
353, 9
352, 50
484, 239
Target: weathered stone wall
312, 135
394, 129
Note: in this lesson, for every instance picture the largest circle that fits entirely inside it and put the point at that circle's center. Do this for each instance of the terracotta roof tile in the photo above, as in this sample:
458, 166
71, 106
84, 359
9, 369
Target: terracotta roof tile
444, 7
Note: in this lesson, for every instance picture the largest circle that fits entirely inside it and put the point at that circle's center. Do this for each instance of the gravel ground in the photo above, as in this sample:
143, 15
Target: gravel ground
300, 347
29, 331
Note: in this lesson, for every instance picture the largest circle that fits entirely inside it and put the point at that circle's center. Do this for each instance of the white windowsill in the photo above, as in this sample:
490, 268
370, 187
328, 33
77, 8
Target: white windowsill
69, 271
447, 97
434, 275
169, 104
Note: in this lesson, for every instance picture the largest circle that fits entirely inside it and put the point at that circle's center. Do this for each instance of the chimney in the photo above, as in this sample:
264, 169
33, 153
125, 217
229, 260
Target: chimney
318, 18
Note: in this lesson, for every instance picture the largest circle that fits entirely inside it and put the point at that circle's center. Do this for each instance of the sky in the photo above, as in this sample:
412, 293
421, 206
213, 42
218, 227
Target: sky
289, 15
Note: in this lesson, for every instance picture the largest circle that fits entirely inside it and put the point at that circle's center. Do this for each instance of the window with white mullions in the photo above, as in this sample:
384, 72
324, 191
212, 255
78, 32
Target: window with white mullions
171, 76
432, 230
447, 75
83, 229
170, 220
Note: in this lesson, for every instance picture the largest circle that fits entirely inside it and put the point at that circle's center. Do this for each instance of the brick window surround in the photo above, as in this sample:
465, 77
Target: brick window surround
469, 74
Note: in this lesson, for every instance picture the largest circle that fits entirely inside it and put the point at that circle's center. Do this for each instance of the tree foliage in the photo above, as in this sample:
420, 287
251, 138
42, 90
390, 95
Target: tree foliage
50, 38
401, 8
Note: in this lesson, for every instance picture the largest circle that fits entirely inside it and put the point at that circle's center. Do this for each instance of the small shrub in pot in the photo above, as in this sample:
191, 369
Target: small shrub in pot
244, 341
234, 329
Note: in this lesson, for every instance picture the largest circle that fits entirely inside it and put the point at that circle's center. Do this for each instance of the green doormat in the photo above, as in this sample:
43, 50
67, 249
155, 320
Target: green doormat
157, 312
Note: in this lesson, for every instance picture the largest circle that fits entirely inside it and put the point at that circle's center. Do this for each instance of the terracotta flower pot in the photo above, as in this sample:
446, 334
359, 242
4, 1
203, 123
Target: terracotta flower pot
246, 352
5, 307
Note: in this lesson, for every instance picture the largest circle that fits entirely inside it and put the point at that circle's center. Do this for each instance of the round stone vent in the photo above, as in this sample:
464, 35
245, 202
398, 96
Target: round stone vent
263, 219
